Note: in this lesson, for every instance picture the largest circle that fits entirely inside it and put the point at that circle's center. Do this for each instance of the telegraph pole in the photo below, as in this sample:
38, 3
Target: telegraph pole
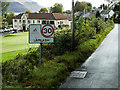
73, 29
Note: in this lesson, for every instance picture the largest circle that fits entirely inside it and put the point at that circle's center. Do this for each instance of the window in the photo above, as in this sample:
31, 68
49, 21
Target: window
38, 21
61, 22
48, 22
51, 22
15, 25
29, 21
33, 21
15, 20
19, 21
43, 22
24, 21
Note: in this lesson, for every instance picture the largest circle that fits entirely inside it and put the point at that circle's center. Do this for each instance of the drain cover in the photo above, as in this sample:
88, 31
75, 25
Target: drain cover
78, 74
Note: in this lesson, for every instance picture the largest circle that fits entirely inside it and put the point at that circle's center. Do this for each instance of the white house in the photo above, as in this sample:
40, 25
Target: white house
107, 13
22, 21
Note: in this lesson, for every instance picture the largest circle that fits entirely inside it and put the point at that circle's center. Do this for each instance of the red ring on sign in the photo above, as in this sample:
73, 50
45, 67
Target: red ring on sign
43, 28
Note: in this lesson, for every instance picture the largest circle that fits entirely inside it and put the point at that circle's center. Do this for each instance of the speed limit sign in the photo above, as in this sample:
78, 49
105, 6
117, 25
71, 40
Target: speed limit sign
41, 33
47, 30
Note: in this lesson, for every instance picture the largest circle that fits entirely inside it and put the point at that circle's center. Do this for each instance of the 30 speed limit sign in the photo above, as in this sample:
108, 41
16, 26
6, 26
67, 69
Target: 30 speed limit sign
41, 33
47, 30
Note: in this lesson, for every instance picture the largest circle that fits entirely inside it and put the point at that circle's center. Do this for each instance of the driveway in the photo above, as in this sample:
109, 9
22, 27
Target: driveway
102, 66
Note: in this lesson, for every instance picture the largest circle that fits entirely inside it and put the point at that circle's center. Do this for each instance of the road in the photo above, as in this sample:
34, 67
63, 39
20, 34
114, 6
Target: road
5, 33
102, 66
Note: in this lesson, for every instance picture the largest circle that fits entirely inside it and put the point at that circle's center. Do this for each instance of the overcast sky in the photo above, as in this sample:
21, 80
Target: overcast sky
67, 3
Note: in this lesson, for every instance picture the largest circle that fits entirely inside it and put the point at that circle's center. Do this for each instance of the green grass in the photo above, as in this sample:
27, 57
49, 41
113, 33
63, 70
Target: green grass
10, 55
13, 44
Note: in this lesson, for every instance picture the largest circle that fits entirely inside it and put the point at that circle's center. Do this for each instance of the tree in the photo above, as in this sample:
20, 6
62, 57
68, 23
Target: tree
57, 8
68, 11
4, 8
80, 6
9, 17
28, 11
98, 14
94, 7
105, 7
117, 7
111, 0
43, 10
89, 7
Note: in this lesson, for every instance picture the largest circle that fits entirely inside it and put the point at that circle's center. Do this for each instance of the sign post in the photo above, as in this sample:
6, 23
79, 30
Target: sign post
40, 53
41, 34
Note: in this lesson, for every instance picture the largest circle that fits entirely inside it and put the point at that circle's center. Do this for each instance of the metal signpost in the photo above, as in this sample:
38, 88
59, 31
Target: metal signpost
73, 29
41, 34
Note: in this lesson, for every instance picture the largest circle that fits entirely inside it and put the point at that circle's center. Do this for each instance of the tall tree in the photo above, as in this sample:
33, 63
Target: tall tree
89, 7
5, 6
43, 10
80, 6
9, 17
57, 8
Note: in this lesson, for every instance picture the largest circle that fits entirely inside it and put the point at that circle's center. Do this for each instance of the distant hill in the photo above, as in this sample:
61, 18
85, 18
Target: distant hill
23, 5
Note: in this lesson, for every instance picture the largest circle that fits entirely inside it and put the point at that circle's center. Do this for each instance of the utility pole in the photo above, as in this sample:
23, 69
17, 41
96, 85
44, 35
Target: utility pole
73, 30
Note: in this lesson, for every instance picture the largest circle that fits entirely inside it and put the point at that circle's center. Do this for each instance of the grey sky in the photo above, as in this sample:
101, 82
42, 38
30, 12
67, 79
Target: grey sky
67, 3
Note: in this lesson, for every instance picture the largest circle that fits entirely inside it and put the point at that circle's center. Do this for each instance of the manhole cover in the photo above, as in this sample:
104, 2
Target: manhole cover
78, 74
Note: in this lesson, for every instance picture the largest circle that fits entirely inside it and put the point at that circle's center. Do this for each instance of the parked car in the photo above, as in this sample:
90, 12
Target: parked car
12, 32
11, 29
7, 29
1, 31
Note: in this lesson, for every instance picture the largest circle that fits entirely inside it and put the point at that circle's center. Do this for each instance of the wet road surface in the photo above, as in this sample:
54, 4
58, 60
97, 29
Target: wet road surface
102, 66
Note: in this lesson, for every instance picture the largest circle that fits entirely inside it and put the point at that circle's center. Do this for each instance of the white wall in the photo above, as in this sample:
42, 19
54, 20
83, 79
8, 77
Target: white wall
24, 17
111, 13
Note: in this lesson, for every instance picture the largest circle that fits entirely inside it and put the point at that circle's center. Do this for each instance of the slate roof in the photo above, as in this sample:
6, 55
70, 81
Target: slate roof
18, 16
47, 16
105, 11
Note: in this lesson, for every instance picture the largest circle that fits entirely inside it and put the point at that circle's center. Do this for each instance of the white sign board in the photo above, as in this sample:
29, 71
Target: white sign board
41, 33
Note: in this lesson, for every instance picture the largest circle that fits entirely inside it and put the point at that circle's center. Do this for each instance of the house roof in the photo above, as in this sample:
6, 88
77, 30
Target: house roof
41, 16
47, 16
105, 11
59, 16
18, 16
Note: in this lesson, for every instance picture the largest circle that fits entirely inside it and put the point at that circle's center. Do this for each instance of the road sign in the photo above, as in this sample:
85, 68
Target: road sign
41, 33
47, 30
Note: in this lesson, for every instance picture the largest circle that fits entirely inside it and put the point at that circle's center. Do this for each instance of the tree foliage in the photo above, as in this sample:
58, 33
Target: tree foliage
57, 8
111, 0
68, 11
105, 7
98, 14
4, 7
117, 7
43, 10
9, 17
28, 11
80, 6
